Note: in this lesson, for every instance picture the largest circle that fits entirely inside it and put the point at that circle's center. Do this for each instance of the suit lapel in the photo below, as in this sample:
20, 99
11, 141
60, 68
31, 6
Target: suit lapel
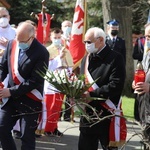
23, 59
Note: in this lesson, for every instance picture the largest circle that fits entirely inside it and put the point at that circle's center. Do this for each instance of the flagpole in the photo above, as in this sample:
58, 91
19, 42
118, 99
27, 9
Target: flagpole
85, 20
85, 17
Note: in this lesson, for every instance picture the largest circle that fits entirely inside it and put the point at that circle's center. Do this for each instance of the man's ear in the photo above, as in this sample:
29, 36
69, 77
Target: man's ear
101, 39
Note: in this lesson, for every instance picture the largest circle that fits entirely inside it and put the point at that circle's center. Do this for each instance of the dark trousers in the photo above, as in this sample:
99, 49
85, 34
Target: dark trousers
91, 142
67, 112
90, 136
92, 132
27, 113
136, 109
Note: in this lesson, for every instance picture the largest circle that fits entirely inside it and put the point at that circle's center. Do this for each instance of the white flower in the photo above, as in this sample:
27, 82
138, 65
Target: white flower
78, 84
67, 83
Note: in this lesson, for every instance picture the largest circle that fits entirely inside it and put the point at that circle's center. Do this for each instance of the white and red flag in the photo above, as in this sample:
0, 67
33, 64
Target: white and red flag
77, 47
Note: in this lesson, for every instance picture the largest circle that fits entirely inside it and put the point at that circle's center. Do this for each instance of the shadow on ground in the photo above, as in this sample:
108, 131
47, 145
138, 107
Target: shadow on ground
66, 142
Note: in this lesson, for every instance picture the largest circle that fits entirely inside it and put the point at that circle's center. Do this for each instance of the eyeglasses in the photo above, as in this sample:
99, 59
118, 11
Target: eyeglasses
26, 40
89, 42
3, 16
147, 36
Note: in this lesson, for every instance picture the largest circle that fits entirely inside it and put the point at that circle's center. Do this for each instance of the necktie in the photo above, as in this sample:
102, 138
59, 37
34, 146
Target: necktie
114, 40
21, 53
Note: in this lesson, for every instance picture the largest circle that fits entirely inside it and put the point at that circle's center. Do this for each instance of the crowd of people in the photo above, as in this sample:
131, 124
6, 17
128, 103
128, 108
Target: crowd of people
31, 106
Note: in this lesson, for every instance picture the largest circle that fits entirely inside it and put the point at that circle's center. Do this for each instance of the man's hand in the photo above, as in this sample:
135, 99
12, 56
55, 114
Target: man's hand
5, 92
86, 96
142, 87
3, 41
62, 53
133, 84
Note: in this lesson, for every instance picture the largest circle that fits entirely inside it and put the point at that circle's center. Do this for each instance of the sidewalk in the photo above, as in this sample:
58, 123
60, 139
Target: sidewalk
69, 141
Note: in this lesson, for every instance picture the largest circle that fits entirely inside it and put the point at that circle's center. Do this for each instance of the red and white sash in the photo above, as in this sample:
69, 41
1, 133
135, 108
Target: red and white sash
17, 78
89, 78
118, 130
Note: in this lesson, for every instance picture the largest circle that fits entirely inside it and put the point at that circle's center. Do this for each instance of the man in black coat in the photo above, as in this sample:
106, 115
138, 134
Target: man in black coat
22, 99
107, 65
116, 43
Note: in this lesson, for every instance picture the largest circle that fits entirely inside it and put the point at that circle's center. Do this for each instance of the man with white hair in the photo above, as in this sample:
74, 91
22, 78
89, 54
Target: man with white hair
66, 27
102, 63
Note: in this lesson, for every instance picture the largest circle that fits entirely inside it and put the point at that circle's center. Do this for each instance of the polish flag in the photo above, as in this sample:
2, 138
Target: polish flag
77, 47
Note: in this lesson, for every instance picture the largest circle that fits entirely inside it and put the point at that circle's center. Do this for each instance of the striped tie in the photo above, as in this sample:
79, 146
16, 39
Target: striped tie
21, 53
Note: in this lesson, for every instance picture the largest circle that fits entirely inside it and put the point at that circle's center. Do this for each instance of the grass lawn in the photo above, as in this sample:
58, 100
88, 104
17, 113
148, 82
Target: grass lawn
128, 107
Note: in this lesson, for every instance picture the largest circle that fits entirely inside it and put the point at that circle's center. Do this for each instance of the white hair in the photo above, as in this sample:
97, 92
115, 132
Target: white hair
147, 27
66, 21
98, 32
3, 8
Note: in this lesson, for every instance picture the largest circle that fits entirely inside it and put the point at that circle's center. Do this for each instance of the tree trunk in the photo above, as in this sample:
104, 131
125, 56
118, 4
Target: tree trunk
114, 9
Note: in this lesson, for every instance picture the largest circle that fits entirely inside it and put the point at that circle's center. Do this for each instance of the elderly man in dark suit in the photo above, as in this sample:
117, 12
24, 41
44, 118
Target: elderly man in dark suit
107, 65
22, 98
116, 43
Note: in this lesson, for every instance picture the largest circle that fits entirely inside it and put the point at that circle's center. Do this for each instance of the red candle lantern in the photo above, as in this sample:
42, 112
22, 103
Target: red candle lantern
139, 75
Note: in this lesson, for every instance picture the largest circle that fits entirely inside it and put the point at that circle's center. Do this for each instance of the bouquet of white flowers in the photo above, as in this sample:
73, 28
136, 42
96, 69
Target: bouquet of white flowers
71, 85
68, 83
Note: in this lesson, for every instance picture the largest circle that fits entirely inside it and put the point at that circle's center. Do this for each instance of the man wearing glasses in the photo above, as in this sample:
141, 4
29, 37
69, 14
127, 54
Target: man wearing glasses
108, 69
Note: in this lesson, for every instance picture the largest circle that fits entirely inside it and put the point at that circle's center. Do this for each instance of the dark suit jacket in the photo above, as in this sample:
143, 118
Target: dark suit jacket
34, 59
109, 66
119, 46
